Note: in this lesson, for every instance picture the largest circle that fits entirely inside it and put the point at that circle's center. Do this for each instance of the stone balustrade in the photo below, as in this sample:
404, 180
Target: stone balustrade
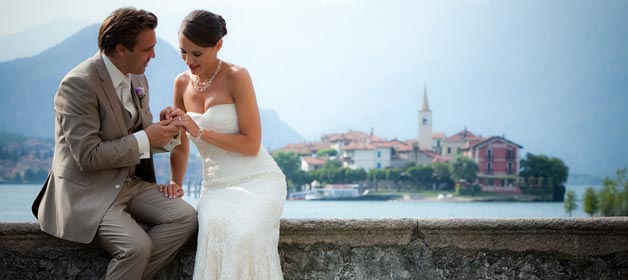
564, 248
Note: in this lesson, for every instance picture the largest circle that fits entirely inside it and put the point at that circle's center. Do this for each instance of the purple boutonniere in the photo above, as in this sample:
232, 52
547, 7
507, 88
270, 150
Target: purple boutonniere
141, 93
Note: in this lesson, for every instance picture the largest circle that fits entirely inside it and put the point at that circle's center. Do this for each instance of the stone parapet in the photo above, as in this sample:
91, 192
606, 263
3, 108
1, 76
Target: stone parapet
564, 248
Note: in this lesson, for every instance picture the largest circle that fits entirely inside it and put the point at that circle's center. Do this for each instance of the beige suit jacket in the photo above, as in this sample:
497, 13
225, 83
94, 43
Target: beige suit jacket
93, 152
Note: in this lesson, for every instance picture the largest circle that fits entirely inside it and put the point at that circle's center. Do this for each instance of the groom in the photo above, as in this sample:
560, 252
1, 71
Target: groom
102, 181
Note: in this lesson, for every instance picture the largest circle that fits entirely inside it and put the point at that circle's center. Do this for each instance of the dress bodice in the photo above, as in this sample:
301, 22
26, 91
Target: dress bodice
224, 168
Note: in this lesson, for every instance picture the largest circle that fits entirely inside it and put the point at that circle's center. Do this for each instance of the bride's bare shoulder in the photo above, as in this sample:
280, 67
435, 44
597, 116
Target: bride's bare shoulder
236, 73
182, 77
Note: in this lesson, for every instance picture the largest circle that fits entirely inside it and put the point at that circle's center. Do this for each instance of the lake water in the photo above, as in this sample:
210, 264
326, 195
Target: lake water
15, 203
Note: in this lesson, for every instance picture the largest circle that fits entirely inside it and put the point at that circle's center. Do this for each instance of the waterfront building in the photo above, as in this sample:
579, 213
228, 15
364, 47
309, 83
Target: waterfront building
498, 159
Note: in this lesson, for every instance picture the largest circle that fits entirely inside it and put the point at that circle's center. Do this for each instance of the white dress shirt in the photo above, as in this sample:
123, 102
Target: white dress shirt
122, 84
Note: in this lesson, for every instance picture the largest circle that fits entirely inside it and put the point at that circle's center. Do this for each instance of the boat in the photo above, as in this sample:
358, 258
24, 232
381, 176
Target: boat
340, 192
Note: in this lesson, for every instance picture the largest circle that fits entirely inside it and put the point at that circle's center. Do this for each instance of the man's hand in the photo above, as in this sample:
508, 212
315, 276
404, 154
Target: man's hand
169, 113
159, 134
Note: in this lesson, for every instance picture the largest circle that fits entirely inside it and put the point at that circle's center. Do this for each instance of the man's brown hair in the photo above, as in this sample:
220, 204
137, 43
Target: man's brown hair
122, 27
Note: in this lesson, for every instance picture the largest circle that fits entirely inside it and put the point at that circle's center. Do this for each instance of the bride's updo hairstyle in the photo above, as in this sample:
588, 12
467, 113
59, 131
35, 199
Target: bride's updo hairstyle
203, 28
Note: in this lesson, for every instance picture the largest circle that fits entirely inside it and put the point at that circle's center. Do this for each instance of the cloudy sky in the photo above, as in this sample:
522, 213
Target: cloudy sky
549, 75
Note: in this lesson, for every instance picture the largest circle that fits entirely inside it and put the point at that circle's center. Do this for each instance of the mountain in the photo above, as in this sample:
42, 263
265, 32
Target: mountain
13, 45
28, 85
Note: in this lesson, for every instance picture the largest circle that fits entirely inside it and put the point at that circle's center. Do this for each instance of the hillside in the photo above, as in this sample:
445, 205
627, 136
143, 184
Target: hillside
28, 85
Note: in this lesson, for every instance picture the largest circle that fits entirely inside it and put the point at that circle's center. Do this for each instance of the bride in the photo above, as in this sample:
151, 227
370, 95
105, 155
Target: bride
244, 190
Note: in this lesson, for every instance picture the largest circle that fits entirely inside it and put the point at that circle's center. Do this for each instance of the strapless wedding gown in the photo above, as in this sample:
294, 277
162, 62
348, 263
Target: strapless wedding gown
241, 202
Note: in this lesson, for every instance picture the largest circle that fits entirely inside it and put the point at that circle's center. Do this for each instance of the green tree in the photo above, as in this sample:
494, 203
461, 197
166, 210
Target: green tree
376, 175
553, 170
590, 202
570, 202
354, 175
613, 201
318, 175
327, 152
393, 175
299, 179
290, 165
335, 176
609, 198
551, 173
442, 175
332, 165
421, 175
621, 181
463, 168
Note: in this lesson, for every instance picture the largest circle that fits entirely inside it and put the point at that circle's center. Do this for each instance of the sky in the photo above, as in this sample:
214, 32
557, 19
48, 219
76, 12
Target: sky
519, 69
292, 48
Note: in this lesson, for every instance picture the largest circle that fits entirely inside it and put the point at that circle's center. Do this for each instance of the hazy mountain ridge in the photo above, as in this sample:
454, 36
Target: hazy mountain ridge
28, 85
21, 44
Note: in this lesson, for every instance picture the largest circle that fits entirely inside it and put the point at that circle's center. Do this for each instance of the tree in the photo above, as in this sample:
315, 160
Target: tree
376, 175
327, 152
609, 198
553, 170
421, 175
393, 175
570, 202
355, 176
621, 181
442, 175
290, 165
590, 202
612, 200
464, 168
551, 173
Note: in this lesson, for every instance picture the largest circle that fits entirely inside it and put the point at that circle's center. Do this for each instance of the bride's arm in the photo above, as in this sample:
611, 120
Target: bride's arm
179, 155
248, 140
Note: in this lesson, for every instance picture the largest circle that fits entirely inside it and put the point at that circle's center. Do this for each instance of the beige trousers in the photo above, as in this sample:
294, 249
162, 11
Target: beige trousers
140, 254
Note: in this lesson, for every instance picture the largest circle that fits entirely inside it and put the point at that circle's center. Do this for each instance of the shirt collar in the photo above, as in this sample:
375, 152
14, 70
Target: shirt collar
116, 75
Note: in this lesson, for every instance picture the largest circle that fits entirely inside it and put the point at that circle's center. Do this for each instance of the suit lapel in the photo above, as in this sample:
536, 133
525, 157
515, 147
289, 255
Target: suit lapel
136, 102
110, 93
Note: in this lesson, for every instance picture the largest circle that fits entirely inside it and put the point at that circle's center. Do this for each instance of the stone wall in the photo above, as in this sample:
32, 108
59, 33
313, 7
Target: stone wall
569, 248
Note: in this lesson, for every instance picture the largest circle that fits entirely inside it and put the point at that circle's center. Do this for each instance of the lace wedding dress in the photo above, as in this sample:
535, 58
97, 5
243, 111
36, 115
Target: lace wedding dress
240, 207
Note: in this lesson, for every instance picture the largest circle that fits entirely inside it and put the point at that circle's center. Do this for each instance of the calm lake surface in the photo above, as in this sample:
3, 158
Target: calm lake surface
15, 203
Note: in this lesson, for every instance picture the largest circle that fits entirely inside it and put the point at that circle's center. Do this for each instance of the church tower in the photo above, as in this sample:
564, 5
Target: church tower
425, 124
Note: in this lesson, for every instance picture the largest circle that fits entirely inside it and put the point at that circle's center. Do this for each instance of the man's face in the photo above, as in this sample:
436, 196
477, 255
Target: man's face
137, 59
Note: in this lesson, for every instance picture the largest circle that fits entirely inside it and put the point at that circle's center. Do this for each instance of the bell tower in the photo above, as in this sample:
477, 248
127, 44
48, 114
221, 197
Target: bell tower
425, 124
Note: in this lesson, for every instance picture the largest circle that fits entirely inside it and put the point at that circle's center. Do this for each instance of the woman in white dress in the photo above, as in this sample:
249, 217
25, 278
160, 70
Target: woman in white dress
244, 190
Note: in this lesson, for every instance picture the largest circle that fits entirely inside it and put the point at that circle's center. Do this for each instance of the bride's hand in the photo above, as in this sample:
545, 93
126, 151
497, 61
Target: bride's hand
169, 113
171, 191
186, 123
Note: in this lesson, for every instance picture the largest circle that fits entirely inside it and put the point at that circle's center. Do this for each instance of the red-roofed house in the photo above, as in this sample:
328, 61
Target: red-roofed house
454, 144
305, 149
312, 163
339, 140
498, 159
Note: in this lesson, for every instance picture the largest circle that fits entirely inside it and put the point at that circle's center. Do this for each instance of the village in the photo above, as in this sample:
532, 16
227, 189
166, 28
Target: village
496, 157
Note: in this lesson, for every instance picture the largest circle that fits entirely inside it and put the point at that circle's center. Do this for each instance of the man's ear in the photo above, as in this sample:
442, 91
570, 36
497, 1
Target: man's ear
120, 49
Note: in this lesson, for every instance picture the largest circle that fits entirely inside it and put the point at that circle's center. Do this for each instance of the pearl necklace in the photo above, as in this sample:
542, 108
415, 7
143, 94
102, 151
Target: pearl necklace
202, 86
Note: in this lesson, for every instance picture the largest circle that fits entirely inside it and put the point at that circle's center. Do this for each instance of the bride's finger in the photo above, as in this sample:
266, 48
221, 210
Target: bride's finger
170, 191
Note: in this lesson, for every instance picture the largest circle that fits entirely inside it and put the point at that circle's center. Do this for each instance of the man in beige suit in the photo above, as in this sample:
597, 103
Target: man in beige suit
102, 182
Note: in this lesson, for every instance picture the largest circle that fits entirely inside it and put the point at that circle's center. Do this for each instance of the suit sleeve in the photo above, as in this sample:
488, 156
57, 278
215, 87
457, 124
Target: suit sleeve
78, 114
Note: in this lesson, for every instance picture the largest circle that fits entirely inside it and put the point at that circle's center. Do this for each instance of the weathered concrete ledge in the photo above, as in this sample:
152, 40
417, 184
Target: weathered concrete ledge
566, 248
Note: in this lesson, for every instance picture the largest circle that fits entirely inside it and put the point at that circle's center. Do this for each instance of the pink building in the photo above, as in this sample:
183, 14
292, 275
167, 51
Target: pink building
498, 159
